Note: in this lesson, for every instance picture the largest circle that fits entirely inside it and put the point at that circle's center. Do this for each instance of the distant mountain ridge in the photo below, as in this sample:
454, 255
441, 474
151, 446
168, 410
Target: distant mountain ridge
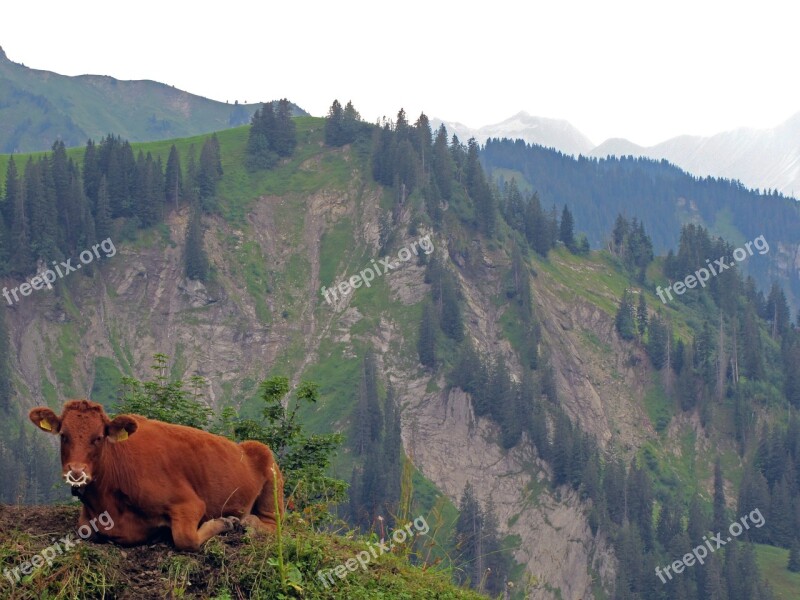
38, 107
550, 133
765, 159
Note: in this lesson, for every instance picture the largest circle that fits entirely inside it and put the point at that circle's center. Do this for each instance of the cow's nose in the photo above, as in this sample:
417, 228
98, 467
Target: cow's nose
76, 476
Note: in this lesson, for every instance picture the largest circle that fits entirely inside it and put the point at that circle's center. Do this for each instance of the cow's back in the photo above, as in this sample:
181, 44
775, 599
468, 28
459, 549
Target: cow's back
173, 463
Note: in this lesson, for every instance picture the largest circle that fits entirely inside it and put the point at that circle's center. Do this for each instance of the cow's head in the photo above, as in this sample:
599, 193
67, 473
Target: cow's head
84, 429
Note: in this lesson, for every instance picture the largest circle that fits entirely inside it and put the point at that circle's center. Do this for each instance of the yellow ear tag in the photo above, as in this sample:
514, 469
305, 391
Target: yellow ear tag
122, 436
45, 424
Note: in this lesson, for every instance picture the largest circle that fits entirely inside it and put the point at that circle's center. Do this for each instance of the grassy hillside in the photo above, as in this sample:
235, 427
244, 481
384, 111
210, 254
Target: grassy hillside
233, 565
37, 107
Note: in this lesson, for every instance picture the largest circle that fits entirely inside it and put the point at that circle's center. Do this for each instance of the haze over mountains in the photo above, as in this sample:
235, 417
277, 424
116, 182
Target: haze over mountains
37, 107
759, 158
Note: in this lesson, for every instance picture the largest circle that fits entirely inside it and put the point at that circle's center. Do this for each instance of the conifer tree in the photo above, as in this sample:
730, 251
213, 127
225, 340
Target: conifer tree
21, 257
468, 537
442, 163
641, 315
334, 125
260, 154
626, 318
566, 231
91, 172
794, 557
426, 342
351, 123
5, 365
719, 521
283, 137
392, 456
173, 177
209, 169
657, 342
195, 255
480, 191
369, 419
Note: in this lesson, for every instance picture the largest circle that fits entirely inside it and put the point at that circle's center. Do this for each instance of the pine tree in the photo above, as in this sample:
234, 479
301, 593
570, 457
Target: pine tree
422, 139
351, 123
91, 172
195, 255
334, 125
777, 311
260, 153
369, 418
5, 366
449, 309
39, 198
283, 138
657, 342
537, 230
794, 557
392, 450
209, 170
173, 177
496, 559
625, 321
566, 231
468, 537
479, 190
426, 343
641, 315
442, 163
719, 521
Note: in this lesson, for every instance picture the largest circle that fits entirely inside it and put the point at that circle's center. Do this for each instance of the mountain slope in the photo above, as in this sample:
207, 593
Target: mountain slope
319, 218
279, 237
37, 107
759, 158
663, 197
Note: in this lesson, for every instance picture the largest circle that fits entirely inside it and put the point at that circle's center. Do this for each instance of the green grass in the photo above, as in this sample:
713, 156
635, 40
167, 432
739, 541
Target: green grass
233, 565
660, 409
333, 248
64, 361
107, 378
772, 563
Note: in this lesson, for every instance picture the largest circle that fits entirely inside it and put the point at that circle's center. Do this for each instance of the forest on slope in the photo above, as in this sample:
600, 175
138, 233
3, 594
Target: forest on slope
721, 360
662, 196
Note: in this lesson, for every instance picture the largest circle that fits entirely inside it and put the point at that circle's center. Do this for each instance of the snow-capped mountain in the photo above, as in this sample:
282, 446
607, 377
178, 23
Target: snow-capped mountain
759, 158
552, 133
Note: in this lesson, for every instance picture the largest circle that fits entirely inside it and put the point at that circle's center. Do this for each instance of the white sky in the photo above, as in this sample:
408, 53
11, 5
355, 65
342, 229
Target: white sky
639, 70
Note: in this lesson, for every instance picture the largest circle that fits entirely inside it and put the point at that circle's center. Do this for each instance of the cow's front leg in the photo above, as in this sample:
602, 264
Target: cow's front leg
85, 524
185, 533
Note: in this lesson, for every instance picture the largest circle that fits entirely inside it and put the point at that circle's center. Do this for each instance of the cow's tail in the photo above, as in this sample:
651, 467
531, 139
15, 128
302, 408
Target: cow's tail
265, 507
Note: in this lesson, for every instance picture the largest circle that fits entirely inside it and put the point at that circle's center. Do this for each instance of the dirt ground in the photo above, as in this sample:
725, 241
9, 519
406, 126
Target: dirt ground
137, 573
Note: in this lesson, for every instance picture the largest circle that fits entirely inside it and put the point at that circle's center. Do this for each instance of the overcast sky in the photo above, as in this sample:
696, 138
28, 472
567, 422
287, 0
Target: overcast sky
639, 70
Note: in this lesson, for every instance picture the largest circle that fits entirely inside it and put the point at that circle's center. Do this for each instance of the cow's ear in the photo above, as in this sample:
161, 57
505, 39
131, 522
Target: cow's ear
45, 419
120, 428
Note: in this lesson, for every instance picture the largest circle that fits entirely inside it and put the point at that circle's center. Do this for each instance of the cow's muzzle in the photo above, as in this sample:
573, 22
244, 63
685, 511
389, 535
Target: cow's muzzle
77, 481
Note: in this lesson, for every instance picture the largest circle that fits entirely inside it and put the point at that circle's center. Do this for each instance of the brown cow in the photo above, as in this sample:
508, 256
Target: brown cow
152, 476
